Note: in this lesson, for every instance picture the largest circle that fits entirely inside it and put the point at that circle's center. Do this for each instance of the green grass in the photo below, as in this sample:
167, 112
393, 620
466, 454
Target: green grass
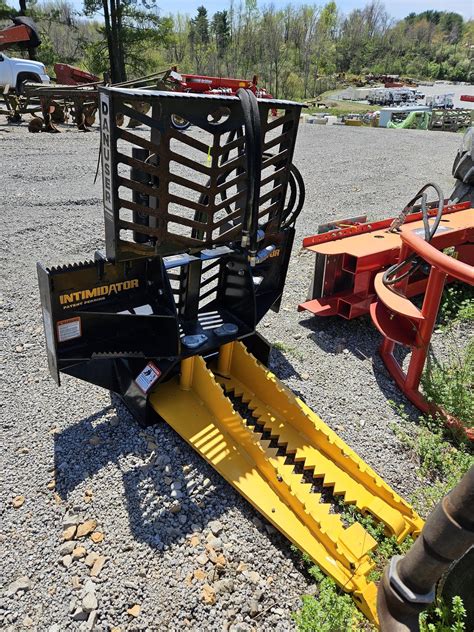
450, 384
440, 458
387, 546
284, 348
329, 610
457, 304
444, 618
340, 108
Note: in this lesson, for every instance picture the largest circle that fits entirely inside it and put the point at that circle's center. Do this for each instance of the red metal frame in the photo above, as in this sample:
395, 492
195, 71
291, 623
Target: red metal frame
370, 227
401, 322
14, 35
68, 75
349, 258
218, 85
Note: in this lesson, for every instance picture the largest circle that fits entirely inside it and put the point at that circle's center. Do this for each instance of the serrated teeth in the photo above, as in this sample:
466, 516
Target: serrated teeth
67, 267
276, 413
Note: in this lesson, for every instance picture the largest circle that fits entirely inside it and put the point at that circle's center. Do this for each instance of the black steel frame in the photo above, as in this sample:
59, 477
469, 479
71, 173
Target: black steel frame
158, 295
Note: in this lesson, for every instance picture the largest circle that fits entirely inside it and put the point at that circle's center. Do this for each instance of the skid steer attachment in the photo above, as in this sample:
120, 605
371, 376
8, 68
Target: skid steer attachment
198, 231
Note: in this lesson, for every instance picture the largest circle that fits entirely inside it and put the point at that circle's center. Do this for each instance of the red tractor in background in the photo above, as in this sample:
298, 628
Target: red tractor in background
68, 75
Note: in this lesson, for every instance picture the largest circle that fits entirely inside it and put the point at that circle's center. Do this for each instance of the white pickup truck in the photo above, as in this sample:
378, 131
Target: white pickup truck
15, 71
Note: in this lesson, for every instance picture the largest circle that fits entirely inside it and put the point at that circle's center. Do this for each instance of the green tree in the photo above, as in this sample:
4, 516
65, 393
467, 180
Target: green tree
221, 30
200, 26
113, 11
5, 10
130, 28
295, 51
199, 38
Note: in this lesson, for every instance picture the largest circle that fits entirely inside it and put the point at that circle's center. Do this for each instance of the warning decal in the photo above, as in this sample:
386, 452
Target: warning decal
69, 329
147, 377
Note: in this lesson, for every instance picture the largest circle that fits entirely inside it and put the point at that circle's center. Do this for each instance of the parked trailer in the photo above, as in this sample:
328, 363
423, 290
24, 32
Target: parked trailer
391, 96
444, 101
451, 120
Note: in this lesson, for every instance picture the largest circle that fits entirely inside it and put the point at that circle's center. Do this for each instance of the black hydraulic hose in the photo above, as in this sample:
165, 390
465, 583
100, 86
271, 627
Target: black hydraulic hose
244, 100
297, 192
253, 151
255, 114
393, 274
290, 212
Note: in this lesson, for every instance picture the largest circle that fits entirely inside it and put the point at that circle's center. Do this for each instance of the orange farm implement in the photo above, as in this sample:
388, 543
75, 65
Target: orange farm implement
350, 254
401, 322
357, 270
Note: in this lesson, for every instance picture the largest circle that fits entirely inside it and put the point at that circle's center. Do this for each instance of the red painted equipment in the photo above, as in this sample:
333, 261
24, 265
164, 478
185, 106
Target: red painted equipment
216, 85
467, 97
14, 35
401, 322
22, 34
350, 254
67, 75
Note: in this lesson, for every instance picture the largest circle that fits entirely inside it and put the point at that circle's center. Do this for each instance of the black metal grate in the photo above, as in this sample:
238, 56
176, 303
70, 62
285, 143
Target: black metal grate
166, 190
209, 280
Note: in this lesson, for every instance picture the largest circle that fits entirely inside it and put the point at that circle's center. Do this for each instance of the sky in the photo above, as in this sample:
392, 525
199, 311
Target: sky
396, 8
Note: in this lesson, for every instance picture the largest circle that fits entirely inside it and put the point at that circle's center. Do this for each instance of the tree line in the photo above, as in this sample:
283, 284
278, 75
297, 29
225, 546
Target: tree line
290, 49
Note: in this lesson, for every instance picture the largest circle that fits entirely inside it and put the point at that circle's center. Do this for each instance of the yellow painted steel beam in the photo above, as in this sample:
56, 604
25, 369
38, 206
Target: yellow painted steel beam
196, 406
316, 445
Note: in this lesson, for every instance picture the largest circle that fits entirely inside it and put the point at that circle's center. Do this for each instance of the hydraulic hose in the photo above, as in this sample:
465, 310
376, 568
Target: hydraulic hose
255, 115
394, 274
291, 210
296, 200
253, 151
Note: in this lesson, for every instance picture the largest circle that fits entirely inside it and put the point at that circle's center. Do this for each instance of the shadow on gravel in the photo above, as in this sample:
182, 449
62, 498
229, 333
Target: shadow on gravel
334, 334
168, 490
159, 500
151, 476
283, 369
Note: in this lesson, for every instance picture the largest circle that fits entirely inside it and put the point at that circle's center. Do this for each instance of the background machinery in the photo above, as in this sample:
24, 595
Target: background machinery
23, 33
380, 267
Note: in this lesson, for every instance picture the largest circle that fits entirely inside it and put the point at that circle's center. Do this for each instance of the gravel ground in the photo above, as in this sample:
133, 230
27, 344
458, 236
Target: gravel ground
147, 506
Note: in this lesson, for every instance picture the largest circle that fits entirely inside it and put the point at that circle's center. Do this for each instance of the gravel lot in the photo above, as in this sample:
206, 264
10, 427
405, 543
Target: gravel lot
70, 456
